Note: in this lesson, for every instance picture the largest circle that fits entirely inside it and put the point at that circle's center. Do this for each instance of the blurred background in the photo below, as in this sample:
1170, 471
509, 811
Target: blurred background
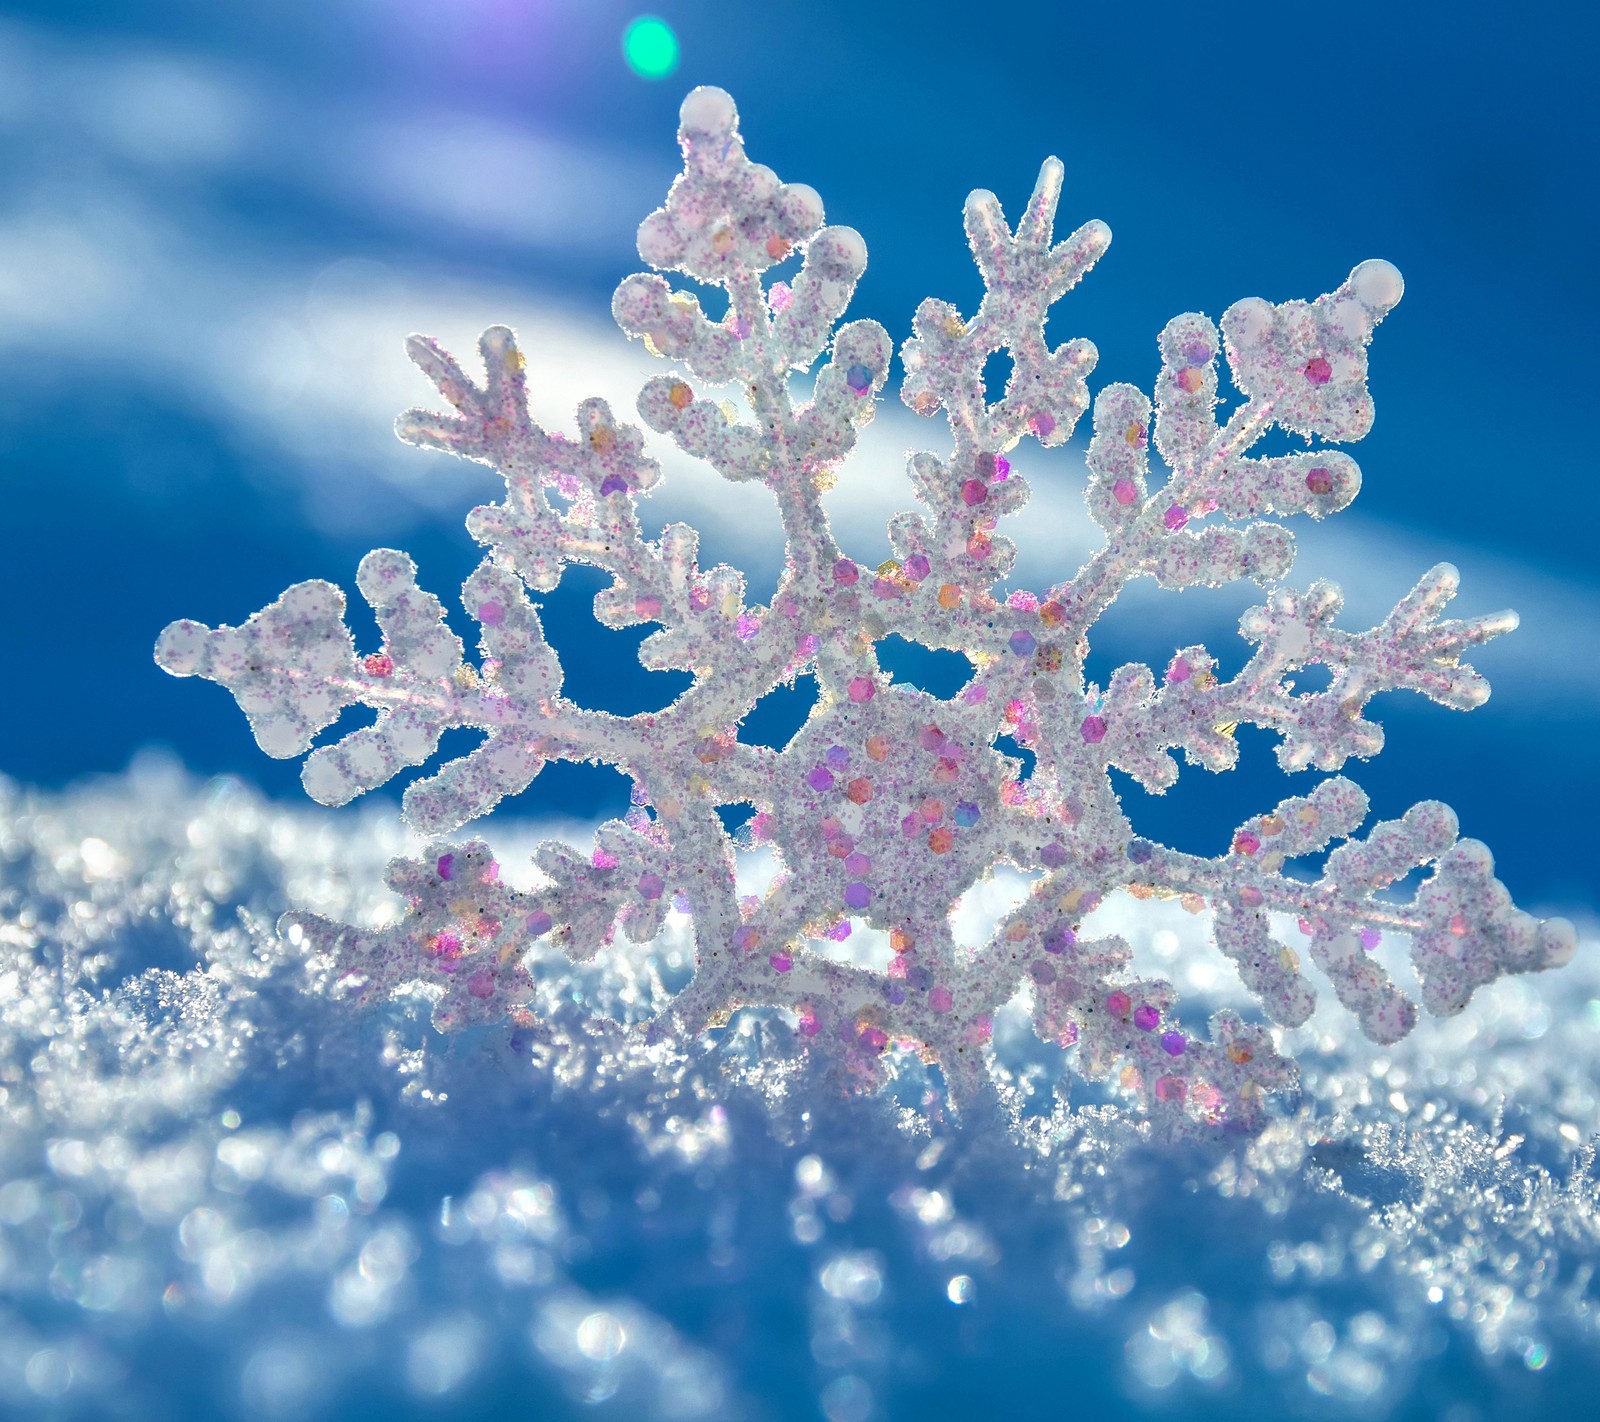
218, 223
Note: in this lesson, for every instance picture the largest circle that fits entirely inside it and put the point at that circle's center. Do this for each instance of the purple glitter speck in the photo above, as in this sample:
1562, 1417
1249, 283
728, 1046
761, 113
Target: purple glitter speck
1059, 939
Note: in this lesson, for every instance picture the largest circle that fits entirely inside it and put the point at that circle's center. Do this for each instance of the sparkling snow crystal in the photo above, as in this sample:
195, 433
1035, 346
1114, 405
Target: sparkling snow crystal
890, 803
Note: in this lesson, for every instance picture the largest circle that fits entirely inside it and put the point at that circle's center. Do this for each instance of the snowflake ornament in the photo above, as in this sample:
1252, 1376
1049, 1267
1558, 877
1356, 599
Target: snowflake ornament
890, 803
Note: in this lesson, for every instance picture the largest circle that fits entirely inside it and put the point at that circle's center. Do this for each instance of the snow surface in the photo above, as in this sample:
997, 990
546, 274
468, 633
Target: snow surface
226, 1193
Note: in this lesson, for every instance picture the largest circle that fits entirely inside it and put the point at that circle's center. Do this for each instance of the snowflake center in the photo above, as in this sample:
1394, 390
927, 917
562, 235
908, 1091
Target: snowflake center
896, 798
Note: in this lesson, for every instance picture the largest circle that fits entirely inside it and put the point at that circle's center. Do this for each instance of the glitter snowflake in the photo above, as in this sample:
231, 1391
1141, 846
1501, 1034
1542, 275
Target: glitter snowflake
890, 803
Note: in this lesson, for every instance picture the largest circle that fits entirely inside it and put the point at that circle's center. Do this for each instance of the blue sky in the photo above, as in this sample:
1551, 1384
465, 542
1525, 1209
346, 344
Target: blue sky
218, 223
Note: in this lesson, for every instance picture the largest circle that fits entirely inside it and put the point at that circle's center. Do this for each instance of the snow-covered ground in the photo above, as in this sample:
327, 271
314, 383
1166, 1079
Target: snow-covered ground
225, 1192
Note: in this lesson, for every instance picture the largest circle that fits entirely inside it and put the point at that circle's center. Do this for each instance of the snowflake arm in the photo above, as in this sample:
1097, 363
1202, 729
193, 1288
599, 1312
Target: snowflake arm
1134, 724
463, 938
1303, 368
293, 669
1463, 927
967, 493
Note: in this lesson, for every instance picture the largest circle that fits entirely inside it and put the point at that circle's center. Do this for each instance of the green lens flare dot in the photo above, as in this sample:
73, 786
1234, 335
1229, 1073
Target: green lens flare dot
650, 47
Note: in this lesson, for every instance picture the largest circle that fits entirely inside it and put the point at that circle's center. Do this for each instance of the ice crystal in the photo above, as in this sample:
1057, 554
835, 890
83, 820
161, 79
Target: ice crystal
890, 803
